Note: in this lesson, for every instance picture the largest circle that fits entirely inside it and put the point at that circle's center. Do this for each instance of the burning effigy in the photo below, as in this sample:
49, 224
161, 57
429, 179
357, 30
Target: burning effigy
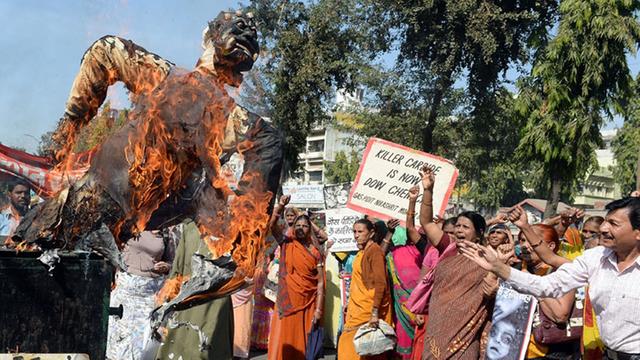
164, 164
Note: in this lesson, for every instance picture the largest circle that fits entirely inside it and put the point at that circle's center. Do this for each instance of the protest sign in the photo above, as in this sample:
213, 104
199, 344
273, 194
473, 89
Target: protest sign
340, 228
336, 196
386, 174
511, 325
305, 195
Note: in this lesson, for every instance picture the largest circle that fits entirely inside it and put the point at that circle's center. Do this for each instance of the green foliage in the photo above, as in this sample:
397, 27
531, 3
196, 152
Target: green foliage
581, 74
484, 37
487, 161
45, 145
544, 138
342, 169
395, 110
443, 39
311, 48
102, 125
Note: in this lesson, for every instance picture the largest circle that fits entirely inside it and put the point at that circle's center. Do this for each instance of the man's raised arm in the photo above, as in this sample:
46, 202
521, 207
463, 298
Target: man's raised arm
568, 277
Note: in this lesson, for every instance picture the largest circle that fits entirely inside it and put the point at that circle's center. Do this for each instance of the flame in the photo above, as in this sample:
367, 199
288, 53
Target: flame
162, 155
25, 246
9, 243
21, 246
170, 289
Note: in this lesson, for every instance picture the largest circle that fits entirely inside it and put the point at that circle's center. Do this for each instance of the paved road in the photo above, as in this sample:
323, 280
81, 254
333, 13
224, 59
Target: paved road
329, 354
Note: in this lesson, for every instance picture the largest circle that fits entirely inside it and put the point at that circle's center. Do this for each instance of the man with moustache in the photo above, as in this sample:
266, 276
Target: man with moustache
612, 272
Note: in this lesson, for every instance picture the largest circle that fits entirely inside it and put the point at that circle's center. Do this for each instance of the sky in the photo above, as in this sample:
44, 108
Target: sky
43, 42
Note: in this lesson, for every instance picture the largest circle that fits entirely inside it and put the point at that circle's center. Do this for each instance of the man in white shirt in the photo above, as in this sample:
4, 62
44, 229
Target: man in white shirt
612, 273
19, 194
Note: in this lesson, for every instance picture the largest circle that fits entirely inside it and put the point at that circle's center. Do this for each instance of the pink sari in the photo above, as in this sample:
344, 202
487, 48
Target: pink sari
403, 264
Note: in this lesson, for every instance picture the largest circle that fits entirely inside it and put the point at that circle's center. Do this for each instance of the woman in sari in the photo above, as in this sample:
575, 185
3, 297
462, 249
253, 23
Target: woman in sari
300, 290
429, 262
463, 294
369, 299
263, 307
404, 258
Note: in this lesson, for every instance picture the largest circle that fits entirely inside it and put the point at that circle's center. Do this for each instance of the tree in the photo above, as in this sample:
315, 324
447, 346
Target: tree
45, 145
581, 75
342, 169
442, 39
311, 48
103, 124
481, 141
395, 110
492, 135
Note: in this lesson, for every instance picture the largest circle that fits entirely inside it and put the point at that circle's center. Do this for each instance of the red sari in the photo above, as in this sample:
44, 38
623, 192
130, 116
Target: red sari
295, 305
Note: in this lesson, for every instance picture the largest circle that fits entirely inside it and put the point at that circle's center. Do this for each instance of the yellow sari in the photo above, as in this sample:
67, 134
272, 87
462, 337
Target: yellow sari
359, 313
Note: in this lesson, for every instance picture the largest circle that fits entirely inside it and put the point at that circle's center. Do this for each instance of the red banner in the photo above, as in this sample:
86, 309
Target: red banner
37, 170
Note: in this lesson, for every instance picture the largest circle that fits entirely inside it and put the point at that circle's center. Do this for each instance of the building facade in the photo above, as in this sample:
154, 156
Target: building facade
324, 142
599, 188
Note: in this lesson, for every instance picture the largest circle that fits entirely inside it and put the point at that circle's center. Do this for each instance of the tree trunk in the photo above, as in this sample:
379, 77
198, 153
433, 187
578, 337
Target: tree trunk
554, 197
427, 134
443, 85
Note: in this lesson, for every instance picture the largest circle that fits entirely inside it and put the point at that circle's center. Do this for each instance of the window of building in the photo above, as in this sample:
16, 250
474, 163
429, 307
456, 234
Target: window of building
315, 175
316, 146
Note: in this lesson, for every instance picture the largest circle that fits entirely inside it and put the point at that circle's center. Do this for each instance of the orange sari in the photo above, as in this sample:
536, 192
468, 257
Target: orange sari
359, 313
295, 305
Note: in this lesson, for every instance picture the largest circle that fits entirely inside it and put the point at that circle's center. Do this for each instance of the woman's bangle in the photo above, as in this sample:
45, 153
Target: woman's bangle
319, 265
411, 213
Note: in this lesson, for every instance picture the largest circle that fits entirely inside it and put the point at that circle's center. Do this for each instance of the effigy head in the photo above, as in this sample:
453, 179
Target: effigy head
233, 39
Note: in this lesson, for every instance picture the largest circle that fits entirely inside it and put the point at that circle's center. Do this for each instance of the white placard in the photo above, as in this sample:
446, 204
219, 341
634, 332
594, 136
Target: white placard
339, 228
304, 194
336, 196
386, 174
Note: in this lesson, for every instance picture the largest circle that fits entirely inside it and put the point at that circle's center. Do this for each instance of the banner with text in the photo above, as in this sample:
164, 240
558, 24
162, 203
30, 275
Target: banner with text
305, 195
386, 174
340, 228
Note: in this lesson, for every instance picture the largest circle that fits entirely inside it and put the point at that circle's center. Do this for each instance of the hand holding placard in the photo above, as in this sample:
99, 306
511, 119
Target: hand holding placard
388, 174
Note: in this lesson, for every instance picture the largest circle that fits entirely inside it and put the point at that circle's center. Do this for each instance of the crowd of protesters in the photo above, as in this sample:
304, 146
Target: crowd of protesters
430, 288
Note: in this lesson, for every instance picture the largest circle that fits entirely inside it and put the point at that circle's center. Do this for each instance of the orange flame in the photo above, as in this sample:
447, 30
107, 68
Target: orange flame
170, 289
161, 159
9, 243
25, 246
